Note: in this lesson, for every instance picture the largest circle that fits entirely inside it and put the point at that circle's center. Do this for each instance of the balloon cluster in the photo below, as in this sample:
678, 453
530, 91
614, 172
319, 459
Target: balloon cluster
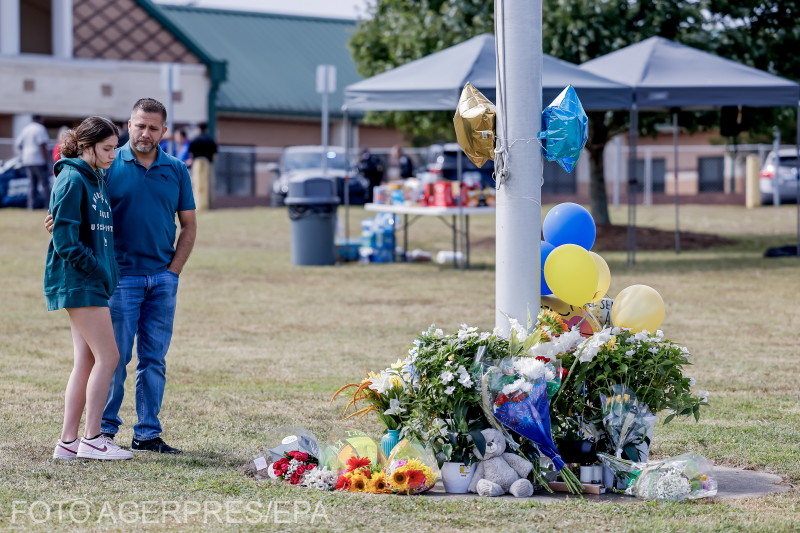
577, 276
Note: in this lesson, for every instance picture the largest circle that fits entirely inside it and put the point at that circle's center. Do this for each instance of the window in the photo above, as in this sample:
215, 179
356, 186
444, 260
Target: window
36, 23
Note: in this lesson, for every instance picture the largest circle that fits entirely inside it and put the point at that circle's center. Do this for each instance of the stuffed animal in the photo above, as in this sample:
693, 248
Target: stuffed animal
499, 472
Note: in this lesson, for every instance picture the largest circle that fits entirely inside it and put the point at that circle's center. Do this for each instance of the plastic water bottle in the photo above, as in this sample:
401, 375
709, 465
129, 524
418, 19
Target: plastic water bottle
365, 240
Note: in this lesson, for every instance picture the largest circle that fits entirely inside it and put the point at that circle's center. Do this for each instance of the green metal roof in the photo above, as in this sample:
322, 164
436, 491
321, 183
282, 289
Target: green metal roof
272, 58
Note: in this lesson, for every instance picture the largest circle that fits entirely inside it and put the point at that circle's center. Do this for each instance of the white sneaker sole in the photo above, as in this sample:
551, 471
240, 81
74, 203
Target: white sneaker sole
106, 456
65, 457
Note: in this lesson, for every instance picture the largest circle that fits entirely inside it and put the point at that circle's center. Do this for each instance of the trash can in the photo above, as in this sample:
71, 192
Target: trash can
312, 209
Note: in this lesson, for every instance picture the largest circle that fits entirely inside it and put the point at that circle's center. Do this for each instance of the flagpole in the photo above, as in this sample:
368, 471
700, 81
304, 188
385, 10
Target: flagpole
518, 35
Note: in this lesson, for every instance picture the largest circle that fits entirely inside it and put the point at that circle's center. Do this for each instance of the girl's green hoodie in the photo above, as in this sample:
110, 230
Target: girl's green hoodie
81, 269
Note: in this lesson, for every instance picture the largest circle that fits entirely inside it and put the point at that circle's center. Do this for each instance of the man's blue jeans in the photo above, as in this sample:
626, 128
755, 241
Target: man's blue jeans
142, 307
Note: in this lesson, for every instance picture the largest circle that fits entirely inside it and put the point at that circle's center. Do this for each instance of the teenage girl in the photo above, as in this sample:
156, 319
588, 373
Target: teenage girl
80, 276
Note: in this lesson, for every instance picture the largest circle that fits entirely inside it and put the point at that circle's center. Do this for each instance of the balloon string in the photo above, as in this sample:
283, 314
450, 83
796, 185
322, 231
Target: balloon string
501, 156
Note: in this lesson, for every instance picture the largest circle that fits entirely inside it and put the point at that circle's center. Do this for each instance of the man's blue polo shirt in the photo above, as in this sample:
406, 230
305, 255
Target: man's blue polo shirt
144, 202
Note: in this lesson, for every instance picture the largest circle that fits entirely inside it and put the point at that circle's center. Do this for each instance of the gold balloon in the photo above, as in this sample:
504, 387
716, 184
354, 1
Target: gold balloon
474, 124
637, 308
571, 274
603, 277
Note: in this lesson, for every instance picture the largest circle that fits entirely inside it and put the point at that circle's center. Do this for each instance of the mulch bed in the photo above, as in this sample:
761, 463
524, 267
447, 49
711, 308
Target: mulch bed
614, 238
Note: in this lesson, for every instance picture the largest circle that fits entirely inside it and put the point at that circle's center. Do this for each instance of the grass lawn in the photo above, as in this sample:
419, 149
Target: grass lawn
259, 344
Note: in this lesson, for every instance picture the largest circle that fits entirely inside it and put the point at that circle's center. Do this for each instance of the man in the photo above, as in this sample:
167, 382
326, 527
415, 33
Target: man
31, 145
147, 188
203, 145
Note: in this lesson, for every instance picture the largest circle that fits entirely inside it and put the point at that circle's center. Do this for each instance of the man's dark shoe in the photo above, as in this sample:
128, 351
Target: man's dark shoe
153, 445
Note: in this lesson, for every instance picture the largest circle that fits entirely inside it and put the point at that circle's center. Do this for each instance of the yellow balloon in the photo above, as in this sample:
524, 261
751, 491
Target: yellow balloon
571, 274
638, 307
603, 277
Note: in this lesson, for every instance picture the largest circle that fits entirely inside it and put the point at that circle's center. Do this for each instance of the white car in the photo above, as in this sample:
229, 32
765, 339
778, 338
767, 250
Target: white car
302, 162
779, 171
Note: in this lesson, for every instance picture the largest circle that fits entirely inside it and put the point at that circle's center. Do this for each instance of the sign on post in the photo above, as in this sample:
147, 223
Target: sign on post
326, 84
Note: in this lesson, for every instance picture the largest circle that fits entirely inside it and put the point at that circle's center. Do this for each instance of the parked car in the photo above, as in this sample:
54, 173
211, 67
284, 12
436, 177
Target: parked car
780, 171
14, 185
442, 163
303, 162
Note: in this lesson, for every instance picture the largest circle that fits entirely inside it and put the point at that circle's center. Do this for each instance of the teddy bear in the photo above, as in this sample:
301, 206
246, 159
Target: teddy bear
498, 472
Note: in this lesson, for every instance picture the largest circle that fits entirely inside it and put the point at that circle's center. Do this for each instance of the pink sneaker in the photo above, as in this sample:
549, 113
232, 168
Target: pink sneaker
102, 448
66, 451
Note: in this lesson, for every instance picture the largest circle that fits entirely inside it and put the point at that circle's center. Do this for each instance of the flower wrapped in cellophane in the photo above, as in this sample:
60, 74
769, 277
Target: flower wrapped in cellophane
411, 469
351, 443
686, 477
385, 392
515, 393
626, 420
362, 475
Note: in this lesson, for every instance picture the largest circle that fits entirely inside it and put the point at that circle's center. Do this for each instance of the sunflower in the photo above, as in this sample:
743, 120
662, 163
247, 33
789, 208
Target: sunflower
358, 483
399, 481
377, 484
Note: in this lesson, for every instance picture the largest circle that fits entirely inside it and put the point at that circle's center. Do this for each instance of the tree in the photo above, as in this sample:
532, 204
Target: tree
399, 31
580, 30
761, 34
764, 35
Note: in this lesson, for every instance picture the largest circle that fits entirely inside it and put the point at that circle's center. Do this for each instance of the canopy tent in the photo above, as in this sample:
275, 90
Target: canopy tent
668, 75
434, 82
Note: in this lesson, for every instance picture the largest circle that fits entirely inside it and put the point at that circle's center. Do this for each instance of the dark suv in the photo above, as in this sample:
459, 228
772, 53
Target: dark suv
303, 162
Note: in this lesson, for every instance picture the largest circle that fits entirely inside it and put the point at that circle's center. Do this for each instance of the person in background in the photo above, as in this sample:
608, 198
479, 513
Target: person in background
176, 145
372, 169
123, 135
401, 166
80, 276
406, 164
31, 145
203, 145
57, 148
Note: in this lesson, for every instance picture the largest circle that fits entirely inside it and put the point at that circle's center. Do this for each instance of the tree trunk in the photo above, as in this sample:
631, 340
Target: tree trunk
598, 136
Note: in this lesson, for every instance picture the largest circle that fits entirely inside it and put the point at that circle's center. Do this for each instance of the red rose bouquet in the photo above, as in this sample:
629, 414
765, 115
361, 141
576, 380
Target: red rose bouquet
292, 467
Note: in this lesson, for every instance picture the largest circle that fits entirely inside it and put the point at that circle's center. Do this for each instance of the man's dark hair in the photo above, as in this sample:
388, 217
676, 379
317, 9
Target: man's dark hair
37, 118
203, 127
150, 105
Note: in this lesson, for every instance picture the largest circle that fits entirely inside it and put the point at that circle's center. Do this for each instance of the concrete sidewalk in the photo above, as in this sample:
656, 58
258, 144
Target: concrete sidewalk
731, 484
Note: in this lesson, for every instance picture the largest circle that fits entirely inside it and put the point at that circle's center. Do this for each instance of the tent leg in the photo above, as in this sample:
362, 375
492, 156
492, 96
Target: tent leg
632, 182
348, 169
677, 198
797, 175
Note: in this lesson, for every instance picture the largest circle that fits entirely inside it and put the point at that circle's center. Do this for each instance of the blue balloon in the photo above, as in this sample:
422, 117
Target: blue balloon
546, 248
569, 223
565, 129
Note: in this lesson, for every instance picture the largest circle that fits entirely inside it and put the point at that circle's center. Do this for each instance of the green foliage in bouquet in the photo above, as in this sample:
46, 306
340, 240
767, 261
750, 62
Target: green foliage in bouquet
446, 411
647, 363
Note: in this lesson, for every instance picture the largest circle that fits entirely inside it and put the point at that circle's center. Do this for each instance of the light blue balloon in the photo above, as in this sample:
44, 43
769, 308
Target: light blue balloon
569, 223
545, 249
565, 129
